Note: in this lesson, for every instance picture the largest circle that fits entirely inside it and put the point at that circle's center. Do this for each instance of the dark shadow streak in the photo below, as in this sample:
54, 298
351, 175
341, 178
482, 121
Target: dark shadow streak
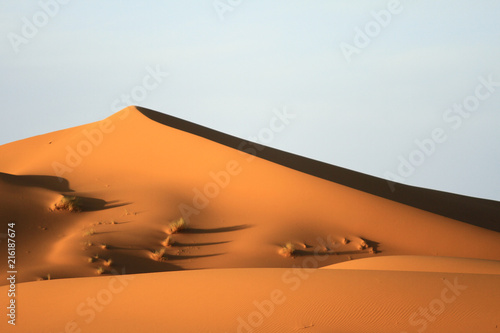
214, 230
117, 223
92, 204
112, 247
104, 232
301, 253
173, 257
372, 244
51, 183
134, 264
179, 244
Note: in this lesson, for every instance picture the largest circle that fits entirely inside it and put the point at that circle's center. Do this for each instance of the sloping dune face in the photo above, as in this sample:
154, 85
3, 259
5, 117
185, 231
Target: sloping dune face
129, 195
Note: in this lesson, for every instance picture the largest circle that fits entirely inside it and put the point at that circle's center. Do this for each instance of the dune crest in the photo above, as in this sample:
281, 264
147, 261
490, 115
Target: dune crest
422, 264
152, 198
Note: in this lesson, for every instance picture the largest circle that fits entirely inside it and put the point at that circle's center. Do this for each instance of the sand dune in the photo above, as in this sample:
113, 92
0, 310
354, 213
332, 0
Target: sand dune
389, 254
265, 300
422, 264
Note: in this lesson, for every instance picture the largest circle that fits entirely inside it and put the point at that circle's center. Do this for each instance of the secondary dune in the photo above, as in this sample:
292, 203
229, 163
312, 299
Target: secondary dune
422, 264
264, 300
136, 172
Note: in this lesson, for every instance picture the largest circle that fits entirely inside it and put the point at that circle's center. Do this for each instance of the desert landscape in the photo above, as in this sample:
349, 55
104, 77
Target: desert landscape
143, 222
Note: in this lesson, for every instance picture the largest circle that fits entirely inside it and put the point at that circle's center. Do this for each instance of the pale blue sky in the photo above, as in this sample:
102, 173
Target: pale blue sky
231, 74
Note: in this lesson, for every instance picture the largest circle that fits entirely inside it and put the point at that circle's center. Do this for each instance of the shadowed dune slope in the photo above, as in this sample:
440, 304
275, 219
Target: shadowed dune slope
481, 212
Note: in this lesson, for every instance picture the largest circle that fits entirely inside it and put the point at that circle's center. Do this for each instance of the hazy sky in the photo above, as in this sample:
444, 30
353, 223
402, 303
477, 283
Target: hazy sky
361, 81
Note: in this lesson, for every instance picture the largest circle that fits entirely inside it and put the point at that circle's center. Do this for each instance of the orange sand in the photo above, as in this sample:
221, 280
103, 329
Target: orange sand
134, 176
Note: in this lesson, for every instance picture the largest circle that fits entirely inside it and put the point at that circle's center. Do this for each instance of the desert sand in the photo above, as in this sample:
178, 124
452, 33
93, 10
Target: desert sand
268, 241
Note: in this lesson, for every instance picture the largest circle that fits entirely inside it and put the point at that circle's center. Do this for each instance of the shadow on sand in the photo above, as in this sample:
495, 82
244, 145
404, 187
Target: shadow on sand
51, 183
214, 230
92, 204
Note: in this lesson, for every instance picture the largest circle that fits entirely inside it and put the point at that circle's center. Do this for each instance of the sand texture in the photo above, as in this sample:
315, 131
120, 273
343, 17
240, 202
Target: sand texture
143, 222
